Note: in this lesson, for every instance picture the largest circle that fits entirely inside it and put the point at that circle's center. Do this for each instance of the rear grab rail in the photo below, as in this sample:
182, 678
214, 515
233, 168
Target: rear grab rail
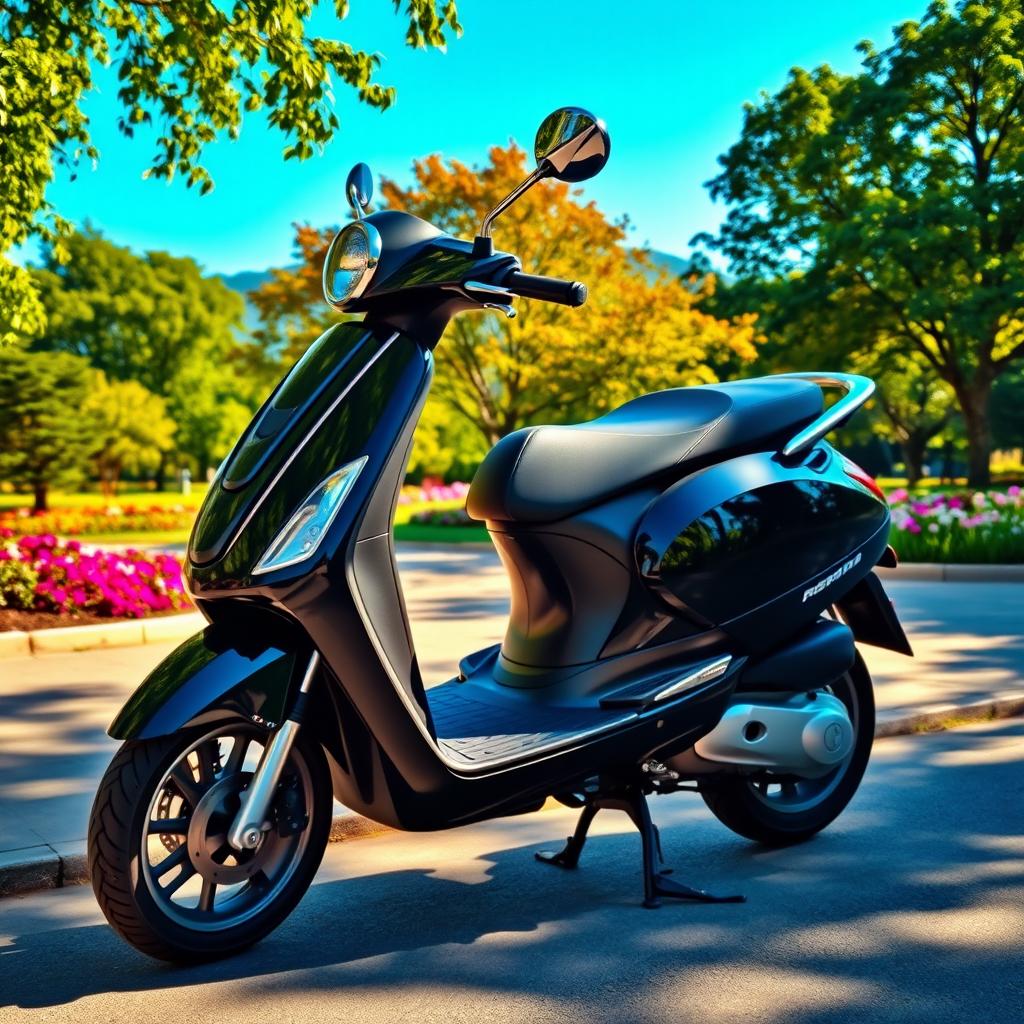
856, 391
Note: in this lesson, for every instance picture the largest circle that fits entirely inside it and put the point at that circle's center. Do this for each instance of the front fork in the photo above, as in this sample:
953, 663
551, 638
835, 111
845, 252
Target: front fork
251, 820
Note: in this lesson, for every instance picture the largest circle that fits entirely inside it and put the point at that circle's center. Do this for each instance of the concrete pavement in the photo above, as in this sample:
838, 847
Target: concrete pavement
907, 910
54, 709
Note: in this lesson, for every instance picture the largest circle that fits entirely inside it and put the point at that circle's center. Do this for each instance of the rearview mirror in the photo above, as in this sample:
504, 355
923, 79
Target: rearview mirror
571, 145
359, 189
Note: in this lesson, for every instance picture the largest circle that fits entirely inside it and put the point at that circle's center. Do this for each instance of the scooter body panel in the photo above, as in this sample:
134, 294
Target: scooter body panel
761, 547
213, 675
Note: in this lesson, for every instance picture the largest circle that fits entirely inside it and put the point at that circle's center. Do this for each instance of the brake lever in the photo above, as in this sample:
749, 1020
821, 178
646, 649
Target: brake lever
492, 289
509, 311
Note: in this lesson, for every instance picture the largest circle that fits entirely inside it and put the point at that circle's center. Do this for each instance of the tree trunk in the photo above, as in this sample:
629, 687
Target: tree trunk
40, 492
974, 405
913, 449
161, 473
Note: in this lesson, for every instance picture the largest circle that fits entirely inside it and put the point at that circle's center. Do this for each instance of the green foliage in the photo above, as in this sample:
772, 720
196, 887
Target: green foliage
43, 438
1008, 411
894, 198
130, 428
155, 319
18, 581
191, 68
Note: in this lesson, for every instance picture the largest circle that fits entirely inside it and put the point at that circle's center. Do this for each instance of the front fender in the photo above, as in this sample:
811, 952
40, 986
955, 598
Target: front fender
214, 674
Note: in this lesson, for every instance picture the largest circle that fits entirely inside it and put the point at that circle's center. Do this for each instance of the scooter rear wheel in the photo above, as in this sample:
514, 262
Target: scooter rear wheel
781, 811
162, 870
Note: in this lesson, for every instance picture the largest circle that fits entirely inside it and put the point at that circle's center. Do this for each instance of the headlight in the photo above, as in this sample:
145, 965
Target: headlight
351, 261
304, 532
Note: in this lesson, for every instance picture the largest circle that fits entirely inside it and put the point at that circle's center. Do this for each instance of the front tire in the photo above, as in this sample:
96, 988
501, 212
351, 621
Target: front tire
161, 868
781, 813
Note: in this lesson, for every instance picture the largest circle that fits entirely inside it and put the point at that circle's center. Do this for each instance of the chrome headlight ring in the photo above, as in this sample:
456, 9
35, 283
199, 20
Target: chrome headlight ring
350, 264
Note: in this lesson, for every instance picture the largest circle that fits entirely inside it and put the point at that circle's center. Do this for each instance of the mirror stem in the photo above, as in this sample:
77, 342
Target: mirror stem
483, 245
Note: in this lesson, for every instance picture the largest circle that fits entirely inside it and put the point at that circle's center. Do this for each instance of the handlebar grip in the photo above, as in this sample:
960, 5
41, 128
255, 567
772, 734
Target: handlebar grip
547, 289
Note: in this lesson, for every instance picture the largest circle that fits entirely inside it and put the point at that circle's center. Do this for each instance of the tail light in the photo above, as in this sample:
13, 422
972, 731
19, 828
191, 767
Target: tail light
864, 478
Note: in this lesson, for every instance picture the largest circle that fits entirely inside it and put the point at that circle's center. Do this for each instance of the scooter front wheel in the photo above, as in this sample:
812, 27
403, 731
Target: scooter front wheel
781, 811
163, 872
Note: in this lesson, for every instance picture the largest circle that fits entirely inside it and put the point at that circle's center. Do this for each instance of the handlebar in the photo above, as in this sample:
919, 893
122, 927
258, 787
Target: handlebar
547, 289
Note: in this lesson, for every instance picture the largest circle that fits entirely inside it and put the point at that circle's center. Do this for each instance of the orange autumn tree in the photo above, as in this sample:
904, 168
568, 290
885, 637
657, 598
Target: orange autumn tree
642, 329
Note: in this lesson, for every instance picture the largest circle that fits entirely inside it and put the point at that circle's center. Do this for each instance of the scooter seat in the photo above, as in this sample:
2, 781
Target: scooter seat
542, 474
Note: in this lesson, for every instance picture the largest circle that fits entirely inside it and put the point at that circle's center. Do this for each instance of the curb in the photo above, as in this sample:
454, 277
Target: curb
939, 717
53, 866
96, 636
937, 572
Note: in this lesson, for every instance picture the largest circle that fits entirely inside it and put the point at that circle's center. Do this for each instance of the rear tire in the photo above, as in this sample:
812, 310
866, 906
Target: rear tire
137, 788
744, 804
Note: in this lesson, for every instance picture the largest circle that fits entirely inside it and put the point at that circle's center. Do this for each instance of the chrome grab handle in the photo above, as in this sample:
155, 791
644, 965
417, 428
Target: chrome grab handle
857, 390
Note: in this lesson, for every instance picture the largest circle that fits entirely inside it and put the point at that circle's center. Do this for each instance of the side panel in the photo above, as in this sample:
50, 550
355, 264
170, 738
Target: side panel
758, 547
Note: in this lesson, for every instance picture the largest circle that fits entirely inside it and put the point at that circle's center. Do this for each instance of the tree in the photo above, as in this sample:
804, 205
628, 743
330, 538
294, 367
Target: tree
43, 437
912, 406
917, 406
130, 429
897, 196
640, 330
155, 319
1008, 411
194, 66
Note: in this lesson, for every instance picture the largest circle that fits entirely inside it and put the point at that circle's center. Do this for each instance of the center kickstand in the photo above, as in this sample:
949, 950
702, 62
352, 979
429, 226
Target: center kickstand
631, 799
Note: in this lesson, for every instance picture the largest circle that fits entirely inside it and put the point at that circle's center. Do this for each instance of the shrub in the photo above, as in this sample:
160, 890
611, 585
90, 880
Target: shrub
18, 581
68, 578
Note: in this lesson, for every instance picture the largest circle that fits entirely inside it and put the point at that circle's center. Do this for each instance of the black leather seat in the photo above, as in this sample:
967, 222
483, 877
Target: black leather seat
540, 474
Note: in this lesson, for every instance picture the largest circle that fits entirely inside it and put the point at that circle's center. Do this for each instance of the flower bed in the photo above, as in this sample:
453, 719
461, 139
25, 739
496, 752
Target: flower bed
442, 517
432, 492
89, 521
961, 527
40, 573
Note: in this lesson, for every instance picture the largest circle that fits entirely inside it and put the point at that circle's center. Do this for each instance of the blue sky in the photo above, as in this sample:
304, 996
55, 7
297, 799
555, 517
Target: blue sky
669, 79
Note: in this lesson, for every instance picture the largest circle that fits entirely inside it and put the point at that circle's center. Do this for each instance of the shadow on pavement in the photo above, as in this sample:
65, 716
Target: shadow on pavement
902, 911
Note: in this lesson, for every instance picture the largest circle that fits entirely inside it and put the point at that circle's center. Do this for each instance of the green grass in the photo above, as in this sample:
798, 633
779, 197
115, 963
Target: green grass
93, 499
441, 534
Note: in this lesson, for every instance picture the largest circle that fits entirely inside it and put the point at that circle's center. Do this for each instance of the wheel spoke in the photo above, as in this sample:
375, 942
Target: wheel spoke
187, 871
186, 783
239, 748
207, 754
207, 895
176, 858
168, 826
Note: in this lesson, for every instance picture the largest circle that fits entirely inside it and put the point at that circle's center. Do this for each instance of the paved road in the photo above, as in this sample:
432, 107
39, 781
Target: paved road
54, 709
909, 909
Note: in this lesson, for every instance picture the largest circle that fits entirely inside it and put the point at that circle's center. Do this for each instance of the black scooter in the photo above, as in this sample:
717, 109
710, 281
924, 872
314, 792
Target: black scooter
689, 574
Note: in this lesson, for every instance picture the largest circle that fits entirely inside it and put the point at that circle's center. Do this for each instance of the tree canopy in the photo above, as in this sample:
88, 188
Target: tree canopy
129, 427
158, 320
42, 442
191, 68
895, 198
641, 329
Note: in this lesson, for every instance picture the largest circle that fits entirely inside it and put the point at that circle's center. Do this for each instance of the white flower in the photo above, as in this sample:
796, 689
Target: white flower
933, 527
